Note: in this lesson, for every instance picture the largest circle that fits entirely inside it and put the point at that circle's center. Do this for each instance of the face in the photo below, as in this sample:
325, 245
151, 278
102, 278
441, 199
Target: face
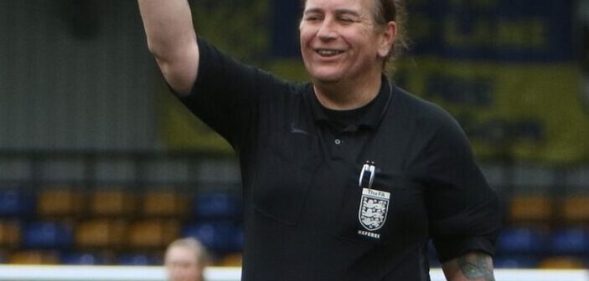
182, 265
340, 40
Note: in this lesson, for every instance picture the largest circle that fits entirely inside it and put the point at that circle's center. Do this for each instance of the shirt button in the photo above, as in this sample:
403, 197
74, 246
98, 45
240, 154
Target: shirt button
338, 141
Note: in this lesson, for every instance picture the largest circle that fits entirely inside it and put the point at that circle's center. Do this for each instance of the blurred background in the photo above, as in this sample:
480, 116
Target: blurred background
100, 165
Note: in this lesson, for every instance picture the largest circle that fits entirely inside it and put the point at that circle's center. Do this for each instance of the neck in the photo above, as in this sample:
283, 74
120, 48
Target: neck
347, 95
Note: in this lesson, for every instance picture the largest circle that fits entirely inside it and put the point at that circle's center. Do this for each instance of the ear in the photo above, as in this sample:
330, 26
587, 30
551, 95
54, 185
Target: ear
387, 39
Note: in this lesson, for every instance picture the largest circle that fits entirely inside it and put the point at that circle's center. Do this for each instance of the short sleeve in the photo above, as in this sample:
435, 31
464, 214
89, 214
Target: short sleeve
463, 210
225, 93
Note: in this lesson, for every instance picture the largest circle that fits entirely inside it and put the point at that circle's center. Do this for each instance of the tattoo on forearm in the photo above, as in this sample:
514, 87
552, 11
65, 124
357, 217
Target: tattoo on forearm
476, 267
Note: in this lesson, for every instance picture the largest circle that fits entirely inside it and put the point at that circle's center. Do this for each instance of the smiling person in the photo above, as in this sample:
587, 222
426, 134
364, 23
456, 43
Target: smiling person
346, 177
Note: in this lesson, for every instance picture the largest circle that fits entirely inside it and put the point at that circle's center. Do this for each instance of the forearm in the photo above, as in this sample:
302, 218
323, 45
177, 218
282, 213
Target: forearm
168, 25
473, 266
172, 40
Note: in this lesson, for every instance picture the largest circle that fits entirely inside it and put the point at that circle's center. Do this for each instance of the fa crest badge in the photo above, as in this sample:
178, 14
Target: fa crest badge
374, 204
373, 210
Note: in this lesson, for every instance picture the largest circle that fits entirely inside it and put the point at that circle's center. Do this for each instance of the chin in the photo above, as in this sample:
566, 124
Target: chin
326, 77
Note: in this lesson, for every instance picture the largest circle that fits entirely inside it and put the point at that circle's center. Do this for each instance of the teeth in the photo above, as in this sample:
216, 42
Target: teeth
325, 52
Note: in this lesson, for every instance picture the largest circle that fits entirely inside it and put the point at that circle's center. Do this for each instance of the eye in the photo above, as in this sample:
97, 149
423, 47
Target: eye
348, 19
312, 18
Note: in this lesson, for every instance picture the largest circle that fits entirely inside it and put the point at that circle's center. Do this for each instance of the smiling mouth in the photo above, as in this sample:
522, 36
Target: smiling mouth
328, 52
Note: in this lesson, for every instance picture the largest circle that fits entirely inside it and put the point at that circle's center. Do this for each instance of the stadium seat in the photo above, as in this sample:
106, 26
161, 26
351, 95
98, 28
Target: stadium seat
47, 235
153, 233
233, 259
165, 204
10, 233
530, 209
575, 209
522, 241
83, 259
60, 202
516, 261
101, 233
217, 205
112, 203
16, 203
220, 237
562, 262
34, 257
138, 259
570, 241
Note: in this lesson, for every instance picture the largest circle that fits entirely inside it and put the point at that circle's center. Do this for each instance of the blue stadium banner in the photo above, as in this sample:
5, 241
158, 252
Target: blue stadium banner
497, 30
507, 71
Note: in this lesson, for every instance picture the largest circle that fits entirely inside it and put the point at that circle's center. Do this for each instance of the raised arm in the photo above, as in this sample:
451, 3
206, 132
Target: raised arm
473, 266
172, 40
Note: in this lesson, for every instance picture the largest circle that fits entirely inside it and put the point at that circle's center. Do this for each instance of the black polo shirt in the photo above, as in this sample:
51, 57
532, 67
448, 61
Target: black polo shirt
346, 199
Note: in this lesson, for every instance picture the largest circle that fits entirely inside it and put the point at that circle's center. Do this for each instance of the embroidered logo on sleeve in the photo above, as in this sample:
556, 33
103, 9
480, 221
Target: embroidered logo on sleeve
373, 210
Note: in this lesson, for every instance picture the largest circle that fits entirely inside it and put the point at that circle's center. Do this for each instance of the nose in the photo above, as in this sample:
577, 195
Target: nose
326, 30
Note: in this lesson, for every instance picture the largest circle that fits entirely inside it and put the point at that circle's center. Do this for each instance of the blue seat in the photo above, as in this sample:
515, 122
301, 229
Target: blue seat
522, 241
221, 237
570, 241
15, 202
47, 235
138, 259
516, 261
215, 205
83, 259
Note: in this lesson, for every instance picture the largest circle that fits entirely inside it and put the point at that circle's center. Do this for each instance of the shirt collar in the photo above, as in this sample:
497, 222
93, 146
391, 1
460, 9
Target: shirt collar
371, 119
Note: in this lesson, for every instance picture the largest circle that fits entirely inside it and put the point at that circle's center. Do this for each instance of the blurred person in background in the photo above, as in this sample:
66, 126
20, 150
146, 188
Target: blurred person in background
346, 177
186, 260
